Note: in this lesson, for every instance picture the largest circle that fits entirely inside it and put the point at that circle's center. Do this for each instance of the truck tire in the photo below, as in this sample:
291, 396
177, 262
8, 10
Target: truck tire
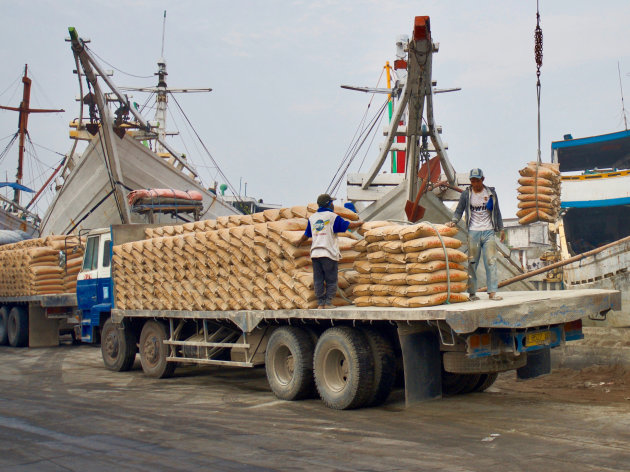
485, 381
153, 351
343, 368
456, 384
118, 347
384, 366
17, 326
4, 319
289, 363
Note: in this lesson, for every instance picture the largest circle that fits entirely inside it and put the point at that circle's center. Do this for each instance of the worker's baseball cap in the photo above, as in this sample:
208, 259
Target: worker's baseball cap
476, 174
324, 200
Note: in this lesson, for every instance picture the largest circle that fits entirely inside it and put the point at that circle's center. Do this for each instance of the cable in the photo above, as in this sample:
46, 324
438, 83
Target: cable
341, 172
12, 84
8, 147
353, 143
205, 148
115, 68
44, 147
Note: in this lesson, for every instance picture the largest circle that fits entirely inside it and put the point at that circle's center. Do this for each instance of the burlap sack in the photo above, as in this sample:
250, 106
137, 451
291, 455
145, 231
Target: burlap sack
422, 230
420, 244
393, 247
437, 276
536, 216
436, 254
526, 189
539, 204
432, 266
531, 181
381, 233
369, 225
378, 256
272, 214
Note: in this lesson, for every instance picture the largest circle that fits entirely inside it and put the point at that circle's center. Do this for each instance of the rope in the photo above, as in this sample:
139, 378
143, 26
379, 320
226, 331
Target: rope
448, 272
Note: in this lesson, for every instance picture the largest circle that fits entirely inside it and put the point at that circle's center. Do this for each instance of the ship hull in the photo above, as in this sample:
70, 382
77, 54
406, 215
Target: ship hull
596, 190
610, 269
86, 201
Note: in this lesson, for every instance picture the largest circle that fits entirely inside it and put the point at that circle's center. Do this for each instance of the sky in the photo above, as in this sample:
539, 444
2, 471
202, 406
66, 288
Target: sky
277, 122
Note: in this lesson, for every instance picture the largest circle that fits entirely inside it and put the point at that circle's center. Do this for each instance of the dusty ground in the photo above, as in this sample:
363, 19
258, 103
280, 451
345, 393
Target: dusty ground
61, 410
597, 384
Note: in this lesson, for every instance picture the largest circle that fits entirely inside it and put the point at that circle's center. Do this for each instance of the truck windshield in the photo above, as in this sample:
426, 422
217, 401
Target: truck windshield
90, 260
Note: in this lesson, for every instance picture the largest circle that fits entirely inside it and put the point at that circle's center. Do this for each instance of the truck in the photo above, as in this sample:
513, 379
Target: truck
349, 356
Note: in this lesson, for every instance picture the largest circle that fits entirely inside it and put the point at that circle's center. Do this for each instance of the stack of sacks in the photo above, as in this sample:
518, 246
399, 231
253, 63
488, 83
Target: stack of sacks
406, 266
237, 262
33, 267
539, 193
73, 250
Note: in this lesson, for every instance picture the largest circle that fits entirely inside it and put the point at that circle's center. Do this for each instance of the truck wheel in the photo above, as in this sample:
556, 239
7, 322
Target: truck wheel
289, 363
485, 381
384, 366
4, 318
118, 347
153, 351
344, 368
17, 326
454, 384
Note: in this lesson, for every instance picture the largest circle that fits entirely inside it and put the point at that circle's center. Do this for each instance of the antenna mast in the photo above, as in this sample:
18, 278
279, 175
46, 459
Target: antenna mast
161, 97
623, 107
163, 32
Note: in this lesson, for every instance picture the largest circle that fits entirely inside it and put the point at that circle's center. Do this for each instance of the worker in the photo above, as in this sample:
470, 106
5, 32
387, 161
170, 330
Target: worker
483, 219
323, 227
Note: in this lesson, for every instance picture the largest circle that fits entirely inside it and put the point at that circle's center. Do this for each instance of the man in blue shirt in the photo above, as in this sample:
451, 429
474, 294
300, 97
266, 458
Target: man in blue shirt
323, 227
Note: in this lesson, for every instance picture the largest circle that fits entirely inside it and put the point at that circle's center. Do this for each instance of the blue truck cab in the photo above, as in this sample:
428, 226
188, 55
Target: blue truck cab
94, 284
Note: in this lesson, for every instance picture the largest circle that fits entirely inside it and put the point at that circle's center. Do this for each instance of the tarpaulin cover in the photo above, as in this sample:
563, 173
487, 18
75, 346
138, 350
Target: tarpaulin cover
136, 195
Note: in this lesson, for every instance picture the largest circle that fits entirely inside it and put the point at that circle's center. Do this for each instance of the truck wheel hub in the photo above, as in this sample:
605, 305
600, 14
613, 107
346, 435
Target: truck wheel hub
111, 345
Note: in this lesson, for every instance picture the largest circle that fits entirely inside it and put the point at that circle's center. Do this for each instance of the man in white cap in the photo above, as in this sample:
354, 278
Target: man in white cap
483, 219
323, 227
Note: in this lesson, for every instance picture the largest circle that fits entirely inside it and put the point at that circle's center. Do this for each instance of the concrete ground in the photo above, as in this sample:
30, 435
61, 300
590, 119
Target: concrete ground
61, 410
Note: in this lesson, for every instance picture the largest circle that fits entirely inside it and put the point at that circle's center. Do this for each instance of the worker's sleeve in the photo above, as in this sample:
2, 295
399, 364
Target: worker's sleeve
340, 225
497, 212
461, 206
308, 232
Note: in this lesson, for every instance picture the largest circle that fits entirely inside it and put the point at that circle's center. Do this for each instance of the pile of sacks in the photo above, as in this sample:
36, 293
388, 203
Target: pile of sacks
410, 266
40, 266
237, 262
539, 193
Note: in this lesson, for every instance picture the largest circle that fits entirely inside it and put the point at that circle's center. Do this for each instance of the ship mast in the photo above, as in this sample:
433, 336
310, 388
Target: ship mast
24, 110
161, 97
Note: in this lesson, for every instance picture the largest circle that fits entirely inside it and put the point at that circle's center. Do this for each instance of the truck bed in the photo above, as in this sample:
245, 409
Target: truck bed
517, 310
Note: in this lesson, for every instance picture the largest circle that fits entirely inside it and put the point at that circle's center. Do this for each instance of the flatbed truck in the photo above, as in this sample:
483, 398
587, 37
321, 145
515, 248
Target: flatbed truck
349, 356
38, 320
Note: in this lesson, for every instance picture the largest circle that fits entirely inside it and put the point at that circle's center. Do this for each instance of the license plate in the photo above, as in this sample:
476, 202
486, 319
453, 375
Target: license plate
536, 339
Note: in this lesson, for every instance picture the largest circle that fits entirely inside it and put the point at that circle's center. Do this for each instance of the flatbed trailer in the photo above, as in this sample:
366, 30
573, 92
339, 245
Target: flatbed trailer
352, 355
38, 320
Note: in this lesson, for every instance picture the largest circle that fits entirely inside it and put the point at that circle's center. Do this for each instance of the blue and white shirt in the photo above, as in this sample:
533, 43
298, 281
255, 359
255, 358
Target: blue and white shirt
323, 227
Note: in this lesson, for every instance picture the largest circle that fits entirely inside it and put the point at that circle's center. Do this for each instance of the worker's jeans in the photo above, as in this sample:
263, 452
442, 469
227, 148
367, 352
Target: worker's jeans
325, 271
482, 243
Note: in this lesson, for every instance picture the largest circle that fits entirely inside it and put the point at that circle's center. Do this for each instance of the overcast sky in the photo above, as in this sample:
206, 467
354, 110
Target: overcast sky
276, 117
